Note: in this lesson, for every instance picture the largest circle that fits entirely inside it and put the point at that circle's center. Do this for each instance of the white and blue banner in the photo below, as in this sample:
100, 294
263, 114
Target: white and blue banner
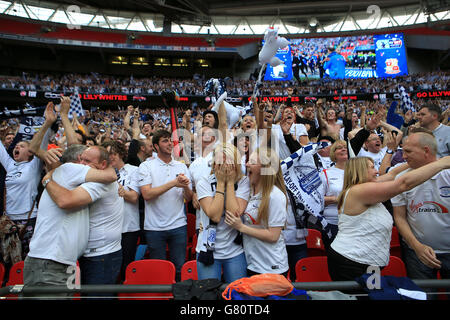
302, 179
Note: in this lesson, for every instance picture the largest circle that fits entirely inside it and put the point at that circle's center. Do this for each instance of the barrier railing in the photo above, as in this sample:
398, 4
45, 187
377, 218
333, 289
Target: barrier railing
19, 290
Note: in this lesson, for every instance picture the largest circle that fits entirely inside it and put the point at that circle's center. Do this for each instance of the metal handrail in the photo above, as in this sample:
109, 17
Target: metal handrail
117, 288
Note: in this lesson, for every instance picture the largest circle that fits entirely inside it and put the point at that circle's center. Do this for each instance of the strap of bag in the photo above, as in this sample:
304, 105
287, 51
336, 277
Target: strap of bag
4, 200
22, 232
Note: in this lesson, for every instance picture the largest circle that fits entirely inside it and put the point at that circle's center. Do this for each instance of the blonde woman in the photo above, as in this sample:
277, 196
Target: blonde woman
226, 188
264, 217
365, 225
332, 179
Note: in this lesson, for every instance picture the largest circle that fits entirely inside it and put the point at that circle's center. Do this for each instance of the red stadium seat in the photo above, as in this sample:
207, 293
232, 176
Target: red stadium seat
149, 271
314, 243
190, 233
395, 268
312, 269
189, 270
192, 253
15, 277
395, 243
2, 273
16, 274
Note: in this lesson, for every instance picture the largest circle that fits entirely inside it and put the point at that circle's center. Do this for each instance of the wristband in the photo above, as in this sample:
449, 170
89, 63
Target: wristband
220, 192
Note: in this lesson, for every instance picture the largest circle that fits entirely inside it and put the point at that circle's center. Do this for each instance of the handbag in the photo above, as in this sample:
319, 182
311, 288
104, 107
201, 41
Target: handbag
12, 234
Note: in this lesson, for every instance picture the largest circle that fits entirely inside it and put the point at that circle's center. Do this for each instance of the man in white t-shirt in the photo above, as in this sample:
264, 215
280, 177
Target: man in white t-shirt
61, 235
375, 150
297, 130
102, 258
165, 184
428, 116
422, 214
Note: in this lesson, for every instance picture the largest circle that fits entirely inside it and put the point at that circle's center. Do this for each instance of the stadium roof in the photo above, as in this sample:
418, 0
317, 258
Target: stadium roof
233, 17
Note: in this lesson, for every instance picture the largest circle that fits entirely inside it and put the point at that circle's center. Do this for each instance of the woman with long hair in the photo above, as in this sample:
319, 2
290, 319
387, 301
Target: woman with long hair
365, 225
226, 188
264, 217
332, 179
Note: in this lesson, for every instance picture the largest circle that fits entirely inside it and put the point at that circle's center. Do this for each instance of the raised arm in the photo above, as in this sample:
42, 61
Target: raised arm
214, 206
68, 129
126, 119
35, 144
222, 114
375, 192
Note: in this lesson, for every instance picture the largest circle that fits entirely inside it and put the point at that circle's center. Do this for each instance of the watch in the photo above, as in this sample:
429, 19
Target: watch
45, 182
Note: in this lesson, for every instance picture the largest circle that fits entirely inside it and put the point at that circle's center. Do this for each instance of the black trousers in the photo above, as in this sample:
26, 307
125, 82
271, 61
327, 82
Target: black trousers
341, 268
129, 246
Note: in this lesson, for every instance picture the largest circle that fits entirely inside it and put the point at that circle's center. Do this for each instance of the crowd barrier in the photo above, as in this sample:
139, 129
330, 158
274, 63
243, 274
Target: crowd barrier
347, 286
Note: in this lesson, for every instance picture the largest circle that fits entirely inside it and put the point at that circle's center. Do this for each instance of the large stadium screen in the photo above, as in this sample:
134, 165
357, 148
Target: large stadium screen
359, 57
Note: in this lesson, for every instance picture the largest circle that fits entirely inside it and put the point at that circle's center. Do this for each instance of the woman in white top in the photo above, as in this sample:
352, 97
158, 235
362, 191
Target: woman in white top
333, 179
23, 175
218, 247
264, 217
365, 225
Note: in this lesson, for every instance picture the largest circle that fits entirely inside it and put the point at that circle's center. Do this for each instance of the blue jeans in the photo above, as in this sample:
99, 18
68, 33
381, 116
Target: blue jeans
233, 269
417, 270
176, 239
102, 269
295, 253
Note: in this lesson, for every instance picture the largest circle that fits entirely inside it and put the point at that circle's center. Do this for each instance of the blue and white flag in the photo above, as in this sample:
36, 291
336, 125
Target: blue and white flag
75, 105
302, 179
405, 103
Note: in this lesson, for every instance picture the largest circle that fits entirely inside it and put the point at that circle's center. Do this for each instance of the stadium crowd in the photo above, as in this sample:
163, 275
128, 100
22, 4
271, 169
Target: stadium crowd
87, 189
95, 83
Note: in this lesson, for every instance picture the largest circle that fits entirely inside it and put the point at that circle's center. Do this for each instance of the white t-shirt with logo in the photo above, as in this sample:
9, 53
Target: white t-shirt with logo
165, 212
21, 182
262, 256
225, 247
129, 180
105, 218
427, 207
61, 235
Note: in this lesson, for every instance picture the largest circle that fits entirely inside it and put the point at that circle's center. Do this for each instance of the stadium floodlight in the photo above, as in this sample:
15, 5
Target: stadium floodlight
313, 22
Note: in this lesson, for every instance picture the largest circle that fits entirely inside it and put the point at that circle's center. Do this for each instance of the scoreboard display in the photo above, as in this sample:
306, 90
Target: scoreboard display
358, 57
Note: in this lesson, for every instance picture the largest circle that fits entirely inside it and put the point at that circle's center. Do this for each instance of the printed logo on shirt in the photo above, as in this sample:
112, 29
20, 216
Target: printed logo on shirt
250, 219
427, 207
13, 176
444, 191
